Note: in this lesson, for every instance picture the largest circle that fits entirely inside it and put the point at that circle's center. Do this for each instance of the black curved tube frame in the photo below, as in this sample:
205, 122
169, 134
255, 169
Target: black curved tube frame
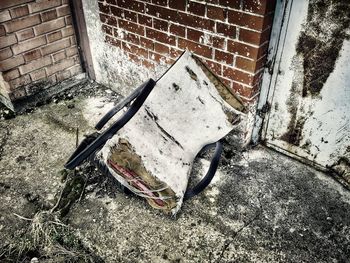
214, 163
79, 156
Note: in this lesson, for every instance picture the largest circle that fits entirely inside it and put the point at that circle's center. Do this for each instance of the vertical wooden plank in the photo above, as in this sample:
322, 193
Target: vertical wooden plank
79, 24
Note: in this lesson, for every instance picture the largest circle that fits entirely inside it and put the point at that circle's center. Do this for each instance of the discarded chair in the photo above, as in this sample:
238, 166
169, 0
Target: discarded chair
150, 149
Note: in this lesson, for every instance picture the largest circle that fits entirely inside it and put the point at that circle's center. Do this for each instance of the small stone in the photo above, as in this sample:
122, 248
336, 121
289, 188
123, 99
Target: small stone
34, 260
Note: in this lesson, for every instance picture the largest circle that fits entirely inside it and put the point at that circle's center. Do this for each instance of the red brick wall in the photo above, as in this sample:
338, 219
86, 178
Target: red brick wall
231, 36
37, 46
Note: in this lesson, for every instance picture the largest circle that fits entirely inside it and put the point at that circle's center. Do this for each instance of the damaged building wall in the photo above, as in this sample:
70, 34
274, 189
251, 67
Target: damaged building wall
37, 47
129, 39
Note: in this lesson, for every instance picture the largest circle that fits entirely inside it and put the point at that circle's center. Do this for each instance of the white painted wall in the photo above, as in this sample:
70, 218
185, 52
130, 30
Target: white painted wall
112, 67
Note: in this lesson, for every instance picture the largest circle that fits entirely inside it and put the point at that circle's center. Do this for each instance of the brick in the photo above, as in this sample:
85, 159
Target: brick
147, 43
145, 20
63, 64
135, 50
59, 55
259, 7
73, 41
25, 34
7, 41
163, 13
242, 49
160, 24
48, 15
28, 44
160, 48
132, 27
21, 23
112, 41
4, 16
245, 64
226, 82
67, 31
196, 8
9, 3
131, 38
243, 90
52, 79
226, 30
116, 11
19, 11
253, 37
111, 2
107, 29
32, 55
236, 4
76, 69
160, 2
110, 20
218, 13
43, 5
194, 21
148, 64
71, 51
2, 30
63, 10
35, 64
178, 4
224, 57
5, 53
218, 42
58, 45
194, 35
246, 20
38, 74
195, 47
132, 5
215, 67
159, 36
21, 81
134, 58
104, 8
175, 53
238, 75
130, 16
177, 30
63, 75
160, 58
54, 36
49, 26
68, 20
10, 74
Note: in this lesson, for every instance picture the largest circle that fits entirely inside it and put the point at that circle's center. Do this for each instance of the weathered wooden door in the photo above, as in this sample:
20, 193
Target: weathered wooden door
309, 93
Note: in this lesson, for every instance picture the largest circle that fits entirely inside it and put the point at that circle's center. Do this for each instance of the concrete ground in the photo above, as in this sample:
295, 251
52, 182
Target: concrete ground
261, 207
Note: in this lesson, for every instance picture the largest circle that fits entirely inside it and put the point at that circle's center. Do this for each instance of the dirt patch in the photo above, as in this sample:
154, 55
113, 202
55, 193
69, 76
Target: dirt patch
321, 41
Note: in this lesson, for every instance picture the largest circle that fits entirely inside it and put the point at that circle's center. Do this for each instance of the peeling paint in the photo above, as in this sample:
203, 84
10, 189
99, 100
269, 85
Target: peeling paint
321, 41
312, 91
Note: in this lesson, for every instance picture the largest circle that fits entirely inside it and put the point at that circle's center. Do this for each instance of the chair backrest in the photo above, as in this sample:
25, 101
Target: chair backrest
191, 105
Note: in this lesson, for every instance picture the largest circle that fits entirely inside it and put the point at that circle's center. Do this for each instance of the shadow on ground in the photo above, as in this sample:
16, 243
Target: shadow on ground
261, 207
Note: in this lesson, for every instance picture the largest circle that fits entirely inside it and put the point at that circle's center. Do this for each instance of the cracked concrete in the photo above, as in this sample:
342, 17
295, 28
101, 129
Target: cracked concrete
261, 207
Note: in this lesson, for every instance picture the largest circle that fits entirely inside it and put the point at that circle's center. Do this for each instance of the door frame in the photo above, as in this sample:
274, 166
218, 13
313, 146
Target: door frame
278, 34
